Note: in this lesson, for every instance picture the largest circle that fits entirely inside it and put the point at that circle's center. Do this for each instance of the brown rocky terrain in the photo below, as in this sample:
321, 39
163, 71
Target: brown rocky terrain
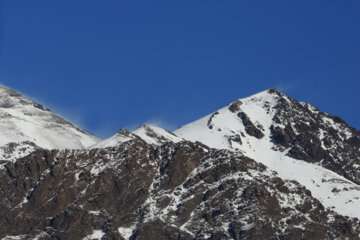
175, 191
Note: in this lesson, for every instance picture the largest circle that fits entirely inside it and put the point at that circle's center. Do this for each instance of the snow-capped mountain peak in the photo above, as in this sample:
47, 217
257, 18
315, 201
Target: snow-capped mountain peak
122, 136
295, 139
149, 133
11, 99
273, 168
155, 135
226, 127
22, 119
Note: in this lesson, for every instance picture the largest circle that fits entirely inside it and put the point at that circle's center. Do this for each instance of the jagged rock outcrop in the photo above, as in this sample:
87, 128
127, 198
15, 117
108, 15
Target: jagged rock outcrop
293, 138
317, 137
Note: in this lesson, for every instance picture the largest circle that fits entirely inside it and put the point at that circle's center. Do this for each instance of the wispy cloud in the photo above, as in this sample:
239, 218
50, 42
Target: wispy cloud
157, 121
109, 129
161, 122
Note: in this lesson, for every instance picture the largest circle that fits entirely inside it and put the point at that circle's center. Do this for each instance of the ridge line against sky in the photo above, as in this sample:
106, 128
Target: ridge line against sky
77, 121
119, 64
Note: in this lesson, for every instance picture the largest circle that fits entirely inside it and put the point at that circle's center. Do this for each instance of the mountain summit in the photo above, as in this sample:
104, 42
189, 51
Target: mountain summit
262, 167
22, 119
293, 138
149, 133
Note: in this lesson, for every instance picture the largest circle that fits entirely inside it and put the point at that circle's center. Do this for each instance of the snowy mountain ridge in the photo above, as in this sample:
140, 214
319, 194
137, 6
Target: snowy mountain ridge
247, 125
262, 167
22, 119
149, 133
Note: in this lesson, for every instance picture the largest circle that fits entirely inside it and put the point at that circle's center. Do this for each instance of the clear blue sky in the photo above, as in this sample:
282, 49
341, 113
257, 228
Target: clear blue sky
112, 64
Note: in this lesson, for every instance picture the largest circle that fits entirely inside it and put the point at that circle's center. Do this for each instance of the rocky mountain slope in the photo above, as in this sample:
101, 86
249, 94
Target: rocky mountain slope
295, 139
175, 191
263, 167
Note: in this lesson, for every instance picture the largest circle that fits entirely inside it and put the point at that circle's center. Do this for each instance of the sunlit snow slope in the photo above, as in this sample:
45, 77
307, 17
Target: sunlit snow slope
155, 135
151, 134
21, 119
245, 125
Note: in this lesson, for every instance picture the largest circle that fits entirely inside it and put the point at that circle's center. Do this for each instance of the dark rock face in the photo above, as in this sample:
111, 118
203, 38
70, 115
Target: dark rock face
316, 136
234, 139
136, 191
67, 194
209, 123
235, 106
250, 128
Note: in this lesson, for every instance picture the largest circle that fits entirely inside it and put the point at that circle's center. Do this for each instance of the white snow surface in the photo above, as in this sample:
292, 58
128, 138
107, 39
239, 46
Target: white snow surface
21, 119
151, 134
96, 235
126, 232
19, 237
11, 154
331, 189
155, 135
13, 151
41, 235
118, 138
